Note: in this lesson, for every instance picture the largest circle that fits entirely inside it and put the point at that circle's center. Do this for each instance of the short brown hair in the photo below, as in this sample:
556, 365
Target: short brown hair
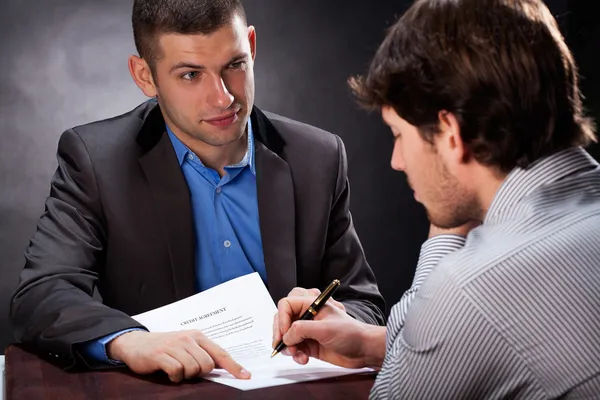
151, 18
500, 66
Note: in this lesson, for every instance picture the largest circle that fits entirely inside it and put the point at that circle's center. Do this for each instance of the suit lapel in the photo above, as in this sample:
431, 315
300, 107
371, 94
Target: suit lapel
275, 193
276, 207
172, 198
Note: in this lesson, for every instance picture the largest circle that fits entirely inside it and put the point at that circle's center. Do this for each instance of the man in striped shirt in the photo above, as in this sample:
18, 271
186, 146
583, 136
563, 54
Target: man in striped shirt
483, 101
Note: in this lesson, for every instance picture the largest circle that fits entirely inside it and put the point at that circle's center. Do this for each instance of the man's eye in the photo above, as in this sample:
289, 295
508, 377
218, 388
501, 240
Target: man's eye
190, 75
238, 65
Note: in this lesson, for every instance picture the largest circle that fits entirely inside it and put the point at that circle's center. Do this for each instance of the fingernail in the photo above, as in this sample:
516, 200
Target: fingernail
245, 374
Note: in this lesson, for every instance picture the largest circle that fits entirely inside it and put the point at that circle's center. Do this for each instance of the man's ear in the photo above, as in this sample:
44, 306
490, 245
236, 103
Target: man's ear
252, 40
142, 75
449, 141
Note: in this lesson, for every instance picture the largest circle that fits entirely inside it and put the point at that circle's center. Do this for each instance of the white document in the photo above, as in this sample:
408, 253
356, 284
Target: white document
238, 316
2, 379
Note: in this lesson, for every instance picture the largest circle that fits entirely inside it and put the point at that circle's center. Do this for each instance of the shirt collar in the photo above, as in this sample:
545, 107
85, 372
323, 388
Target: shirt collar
520, 183
181, 150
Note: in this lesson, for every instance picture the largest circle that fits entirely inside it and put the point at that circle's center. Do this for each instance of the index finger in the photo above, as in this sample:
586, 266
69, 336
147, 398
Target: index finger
221, 358
290, 309
300, 292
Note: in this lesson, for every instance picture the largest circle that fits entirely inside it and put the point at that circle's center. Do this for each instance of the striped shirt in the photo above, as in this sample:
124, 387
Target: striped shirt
513, 311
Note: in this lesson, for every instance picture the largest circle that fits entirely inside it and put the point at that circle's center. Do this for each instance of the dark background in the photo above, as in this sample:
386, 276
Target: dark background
63, 63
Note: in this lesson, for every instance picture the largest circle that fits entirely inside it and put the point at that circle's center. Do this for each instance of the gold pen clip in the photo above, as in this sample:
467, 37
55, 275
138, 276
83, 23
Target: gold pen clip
326, 292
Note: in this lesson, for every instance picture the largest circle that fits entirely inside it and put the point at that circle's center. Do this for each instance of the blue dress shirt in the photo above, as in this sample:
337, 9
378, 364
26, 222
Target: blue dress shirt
225, 210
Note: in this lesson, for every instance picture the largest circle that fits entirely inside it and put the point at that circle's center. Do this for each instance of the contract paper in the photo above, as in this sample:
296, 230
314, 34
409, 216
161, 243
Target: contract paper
238, 316
2, 379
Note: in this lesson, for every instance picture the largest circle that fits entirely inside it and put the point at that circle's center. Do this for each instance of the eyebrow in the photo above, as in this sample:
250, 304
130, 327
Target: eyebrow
185, 64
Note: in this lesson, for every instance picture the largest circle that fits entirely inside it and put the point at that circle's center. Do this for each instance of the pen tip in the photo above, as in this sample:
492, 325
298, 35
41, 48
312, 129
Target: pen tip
273, 353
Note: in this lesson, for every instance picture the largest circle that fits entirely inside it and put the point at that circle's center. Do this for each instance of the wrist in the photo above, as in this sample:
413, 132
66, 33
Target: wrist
114, 348
374, 345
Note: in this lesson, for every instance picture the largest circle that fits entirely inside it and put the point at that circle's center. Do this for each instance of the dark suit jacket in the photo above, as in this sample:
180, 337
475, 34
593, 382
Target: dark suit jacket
119, 218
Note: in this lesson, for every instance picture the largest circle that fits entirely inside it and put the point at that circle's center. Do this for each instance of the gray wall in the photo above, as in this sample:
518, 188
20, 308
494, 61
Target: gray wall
64, 63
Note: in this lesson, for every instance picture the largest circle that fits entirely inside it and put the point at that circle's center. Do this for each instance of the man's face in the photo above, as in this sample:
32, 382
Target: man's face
205, 83
448, 202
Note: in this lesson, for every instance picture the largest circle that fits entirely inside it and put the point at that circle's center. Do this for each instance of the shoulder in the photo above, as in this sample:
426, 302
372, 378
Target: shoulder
115, 131
300, 135
499, 264
557, 230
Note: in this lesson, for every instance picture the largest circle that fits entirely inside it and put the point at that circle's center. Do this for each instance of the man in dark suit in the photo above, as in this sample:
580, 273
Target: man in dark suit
181, 194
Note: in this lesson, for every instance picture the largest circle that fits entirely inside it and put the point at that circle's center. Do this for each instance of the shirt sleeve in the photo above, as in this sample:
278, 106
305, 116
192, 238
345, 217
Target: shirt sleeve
94, 351
432, 251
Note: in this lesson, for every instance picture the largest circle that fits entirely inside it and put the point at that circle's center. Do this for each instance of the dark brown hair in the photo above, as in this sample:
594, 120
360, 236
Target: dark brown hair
152, 18
500, 66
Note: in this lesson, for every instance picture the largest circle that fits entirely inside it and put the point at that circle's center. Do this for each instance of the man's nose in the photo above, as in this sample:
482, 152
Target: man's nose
219, 96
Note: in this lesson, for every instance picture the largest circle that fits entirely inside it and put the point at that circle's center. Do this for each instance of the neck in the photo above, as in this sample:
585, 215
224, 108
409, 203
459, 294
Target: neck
215, 157
487, 182
218, 157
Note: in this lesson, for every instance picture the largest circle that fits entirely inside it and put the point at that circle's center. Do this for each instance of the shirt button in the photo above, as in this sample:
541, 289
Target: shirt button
219, 189
227, 243
190, 157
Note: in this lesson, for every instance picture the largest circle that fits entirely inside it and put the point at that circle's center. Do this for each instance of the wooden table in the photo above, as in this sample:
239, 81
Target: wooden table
30, 377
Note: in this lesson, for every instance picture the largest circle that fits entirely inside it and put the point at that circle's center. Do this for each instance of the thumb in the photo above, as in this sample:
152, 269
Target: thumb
304, 330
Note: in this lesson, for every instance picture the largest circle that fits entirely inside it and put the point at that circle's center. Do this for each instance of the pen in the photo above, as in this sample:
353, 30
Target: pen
312, 310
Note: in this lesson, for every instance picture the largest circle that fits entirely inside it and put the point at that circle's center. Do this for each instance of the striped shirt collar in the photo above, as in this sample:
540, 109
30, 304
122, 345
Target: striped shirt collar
520, 182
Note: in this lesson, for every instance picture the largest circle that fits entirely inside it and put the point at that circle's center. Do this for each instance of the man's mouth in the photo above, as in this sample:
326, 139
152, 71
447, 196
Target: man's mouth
223, 120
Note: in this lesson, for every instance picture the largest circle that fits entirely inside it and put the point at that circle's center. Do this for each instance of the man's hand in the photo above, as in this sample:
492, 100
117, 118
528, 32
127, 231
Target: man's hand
462, 230
182, 355
333, 335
